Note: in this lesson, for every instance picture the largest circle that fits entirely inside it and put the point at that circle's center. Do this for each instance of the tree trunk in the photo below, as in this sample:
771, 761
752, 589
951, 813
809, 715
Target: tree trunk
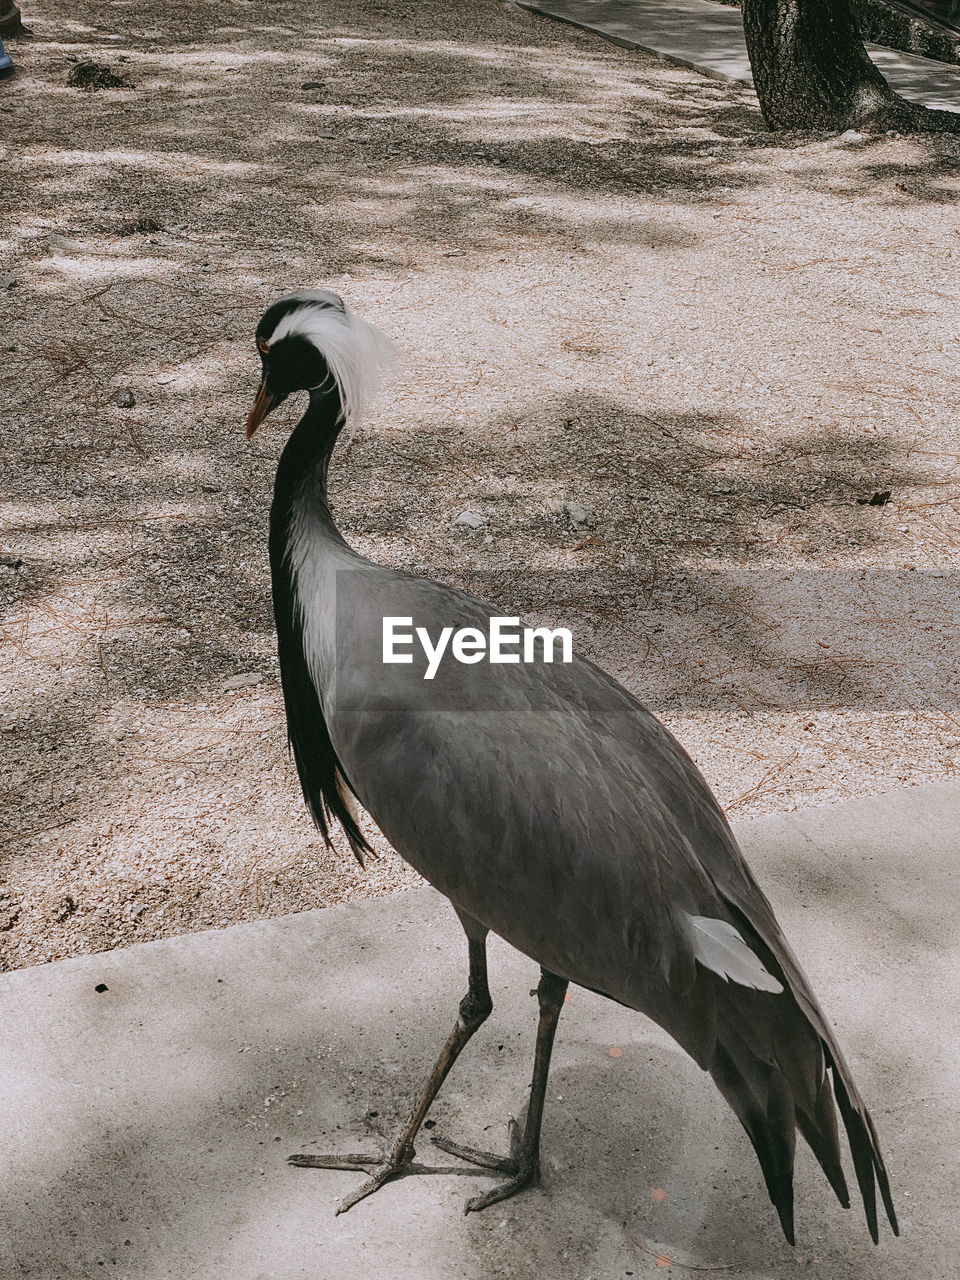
811, 71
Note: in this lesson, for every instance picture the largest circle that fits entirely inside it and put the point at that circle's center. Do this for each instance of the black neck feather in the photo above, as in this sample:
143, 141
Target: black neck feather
302, 480
305, 461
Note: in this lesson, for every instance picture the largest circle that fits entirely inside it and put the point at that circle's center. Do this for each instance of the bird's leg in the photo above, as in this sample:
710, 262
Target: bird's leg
523, 1163
475, 1008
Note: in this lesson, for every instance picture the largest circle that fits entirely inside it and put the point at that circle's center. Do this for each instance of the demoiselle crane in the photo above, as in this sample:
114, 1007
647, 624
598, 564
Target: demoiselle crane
543, 800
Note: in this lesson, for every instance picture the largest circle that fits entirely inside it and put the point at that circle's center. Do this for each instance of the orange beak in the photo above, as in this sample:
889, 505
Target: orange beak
262, 405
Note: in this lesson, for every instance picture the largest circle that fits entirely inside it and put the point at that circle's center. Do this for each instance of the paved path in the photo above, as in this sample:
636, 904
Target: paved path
150, 1095
709, 37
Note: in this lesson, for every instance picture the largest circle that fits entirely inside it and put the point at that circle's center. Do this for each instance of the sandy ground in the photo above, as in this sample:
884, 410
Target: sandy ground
609, 286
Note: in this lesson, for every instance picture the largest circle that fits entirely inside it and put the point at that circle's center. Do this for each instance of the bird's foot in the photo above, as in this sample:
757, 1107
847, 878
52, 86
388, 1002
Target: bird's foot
380, 1169
398, 1163
523, 1166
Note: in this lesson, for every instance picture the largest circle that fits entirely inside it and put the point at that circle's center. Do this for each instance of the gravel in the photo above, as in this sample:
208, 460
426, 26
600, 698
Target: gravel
612, 290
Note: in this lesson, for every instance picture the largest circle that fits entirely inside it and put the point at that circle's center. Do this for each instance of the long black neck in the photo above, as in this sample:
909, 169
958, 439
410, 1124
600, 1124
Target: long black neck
304, 465
302, 482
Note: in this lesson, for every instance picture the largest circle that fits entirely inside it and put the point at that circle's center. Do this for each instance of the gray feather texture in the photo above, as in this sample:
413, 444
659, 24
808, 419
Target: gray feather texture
719, 946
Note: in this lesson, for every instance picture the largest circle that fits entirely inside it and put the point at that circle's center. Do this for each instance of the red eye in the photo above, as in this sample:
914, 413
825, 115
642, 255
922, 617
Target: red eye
262, 346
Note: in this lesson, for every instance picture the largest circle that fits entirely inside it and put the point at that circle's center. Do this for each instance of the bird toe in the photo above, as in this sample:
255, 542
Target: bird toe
525, 1177
362, 1163
486, 1159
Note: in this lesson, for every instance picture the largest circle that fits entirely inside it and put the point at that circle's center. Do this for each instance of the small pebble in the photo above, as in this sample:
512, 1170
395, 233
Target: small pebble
244, 681
580, 515
471, 520
124, 398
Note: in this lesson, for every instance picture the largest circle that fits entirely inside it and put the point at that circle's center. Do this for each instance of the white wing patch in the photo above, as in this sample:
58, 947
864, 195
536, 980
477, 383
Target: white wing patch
358, 355
719, 947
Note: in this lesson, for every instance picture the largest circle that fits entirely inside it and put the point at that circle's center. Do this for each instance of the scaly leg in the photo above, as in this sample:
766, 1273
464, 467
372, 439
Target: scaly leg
523, 1163
475, 1008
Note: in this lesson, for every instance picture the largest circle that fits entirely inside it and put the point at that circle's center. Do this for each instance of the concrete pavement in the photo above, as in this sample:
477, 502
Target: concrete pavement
150, 1095
709, 38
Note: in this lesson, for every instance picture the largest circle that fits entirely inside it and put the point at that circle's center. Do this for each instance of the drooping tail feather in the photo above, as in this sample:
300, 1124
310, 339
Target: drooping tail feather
865, 1149
819, 1129
778, 1065
765, 1109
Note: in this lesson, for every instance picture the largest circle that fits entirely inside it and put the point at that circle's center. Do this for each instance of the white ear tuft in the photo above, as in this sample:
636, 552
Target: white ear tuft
358, 355
719, 947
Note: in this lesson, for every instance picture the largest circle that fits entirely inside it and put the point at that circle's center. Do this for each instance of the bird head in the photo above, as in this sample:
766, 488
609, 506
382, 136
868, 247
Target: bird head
312, 340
